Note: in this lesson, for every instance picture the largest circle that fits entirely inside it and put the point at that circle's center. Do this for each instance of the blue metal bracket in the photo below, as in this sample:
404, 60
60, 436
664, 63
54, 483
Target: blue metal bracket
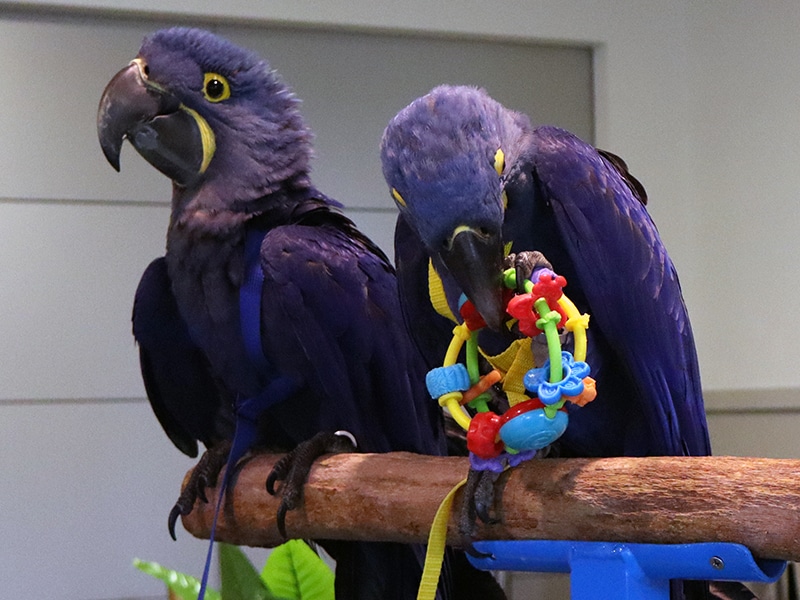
622, 571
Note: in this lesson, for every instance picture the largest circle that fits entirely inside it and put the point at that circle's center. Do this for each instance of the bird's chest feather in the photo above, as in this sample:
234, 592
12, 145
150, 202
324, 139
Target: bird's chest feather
206, 273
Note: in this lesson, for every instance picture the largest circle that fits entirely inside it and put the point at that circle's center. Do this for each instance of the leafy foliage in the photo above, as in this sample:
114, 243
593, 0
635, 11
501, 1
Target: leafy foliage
183, 586
240, 580
293, 571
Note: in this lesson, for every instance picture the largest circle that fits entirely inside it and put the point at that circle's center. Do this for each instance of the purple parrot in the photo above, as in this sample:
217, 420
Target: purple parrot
471, 177
271, 320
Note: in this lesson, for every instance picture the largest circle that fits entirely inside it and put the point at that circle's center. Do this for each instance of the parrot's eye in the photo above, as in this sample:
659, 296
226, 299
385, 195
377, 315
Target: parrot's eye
216, 88
398, 198
499, 161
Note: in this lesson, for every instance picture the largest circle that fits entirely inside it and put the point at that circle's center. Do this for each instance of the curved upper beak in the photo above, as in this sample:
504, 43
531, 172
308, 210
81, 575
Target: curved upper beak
475, 260
172, 138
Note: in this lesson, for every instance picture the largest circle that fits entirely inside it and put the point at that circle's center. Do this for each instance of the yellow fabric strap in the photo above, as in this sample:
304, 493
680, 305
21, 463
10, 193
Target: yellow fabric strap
436, 292
514, 362
437, 539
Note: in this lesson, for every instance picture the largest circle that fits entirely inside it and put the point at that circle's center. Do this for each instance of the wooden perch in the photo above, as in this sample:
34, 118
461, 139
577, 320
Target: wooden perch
393, 497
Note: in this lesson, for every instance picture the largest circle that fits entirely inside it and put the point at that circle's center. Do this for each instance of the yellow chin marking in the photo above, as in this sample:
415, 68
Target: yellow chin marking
499, 161
206, 135
398, 198
460, 229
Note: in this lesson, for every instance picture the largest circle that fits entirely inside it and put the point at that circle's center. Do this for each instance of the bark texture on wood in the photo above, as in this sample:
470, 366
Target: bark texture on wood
393, 497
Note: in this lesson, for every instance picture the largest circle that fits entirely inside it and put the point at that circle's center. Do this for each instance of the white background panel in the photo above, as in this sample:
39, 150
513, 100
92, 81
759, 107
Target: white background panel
770, 434
68, 273
49, 145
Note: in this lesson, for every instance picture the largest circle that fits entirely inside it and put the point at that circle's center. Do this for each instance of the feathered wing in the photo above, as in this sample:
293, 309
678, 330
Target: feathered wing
327, 320
631, 285
330, 319
177, 379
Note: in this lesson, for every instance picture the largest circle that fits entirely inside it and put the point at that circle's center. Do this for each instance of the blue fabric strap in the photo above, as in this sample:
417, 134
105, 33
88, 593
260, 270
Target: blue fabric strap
250, 299
277, 389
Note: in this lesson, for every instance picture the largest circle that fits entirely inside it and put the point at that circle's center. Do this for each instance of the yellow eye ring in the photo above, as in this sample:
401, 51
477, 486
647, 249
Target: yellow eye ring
215, 87
398, 198
499, 161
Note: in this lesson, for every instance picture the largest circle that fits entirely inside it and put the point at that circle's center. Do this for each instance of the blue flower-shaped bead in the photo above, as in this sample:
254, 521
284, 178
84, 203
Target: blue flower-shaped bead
443, 380
533, 430
537, 382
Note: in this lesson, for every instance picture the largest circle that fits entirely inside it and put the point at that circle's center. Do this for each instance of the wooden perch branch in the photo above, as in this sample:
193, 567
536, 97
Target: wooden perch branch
393, 497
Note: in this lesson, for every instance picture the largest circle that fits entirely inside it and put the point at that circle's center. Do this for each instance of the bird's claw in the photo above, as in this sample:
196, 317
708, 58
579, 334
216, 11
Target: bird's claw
478, 500
204, 475
484, 497
525, 264
179, 510
293, 469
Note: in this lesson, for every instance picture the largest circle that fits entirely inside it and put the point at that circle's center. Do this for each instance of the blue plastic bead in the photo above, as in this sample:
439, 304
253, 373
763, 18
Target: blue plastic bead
443, 380
533, 430
536, 380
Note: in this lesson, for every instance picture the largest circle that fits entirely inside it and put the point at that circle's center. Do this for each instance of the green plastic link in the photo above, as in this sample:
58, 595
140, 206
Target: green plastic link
549, 323
480, 403
510, 278
550, 411
471, 359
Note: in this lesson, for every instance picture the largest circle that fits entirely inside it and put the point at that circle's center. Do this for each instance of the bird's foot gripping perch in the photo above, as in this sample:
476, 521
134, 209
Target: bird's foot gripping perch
294, 467
204, 475
477, 503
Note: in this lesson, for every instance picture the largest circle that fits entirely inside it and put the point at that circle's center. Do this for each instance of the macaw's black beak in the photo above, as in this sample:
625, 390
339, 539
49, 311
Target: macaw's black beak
475, 260
171, 137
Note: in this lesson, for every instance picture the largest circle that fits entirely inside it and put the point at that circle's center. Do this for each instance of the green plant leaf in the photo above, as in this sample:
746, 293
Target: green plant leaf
240, 580
295, 572
184, 586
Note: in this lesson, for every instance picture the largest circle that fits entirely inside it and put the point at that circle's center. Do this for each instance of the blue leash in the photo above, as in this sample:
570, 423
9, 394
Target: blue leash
277, 390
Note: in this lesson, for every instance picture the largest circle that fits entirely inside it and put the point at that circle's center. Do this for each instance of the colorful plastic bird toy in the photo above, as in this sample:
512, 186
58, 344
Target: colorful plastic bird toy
536, 394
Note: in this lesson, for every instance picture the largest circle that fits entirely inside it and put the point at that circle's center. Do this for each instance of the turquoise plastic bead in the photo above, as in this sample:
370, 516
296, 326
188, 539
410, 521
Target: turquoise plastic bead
533, 430
443, 380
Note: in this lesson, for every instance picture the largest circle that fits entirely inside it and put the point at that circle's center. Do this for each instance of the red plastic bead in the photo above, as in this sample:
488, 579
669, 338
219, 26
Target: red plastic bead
482, 437
471, 316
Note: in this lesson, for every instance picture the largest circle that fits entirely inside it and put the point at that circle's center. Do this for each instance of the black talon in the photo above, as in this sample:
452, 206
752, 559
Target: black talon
278, 473
293, 470
205, 474
280, 519
177, 511
468, 513
201, 489
483, 497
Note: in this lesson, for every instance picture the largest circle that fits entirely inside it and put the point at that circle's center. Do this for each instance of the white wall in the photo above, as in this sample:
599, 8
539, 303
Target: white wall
699, 98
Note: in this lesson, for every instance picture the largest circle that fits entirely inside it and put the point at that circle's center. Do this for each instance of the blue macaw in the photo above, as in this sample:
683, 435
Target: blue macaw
470, 176
271, 318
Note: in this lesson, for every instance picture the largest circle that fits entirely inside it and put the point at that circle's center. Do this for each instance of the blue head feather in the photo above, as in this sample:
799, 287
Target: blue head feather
263, 144
439, 154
